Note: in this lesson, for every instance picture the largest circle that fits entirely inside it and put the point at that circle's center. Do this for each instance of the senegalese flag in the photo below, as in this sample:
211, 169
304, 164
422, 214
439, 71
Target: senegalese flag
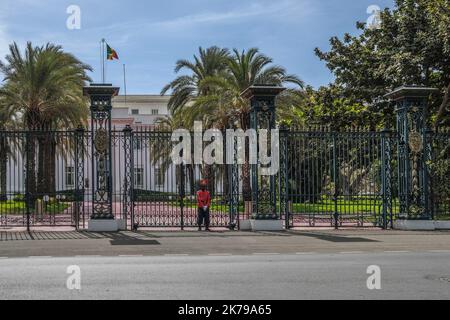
111, 54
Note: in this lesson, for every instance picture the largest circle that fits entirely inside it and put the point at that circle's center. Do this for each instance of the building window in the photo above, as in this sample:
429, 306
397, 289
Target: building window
137, 144
134, 111
70, 177
139, 177
159, 177
155, 112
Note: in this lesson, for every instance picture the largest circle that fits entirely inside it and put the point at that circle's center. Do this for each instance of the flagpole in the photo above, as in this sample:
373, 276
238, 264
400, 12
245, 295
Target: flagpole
103, 60
125, 83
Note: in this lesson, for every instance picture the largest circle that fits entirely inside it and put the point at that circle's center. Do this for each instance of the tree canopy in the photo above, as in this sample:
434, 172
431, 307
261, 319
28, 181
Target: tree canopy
409, 47
44, 86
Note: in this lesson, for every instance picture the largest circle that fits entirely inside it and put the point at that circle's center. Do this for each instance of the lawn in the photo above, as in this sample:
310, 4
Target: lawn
18, 207
343, 207
356, 205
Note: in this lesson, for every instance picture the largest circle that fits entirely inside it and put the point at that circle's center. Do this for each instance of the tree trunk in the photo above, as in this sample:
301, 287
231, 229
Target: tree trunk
41, 183
226, 188
30, 171
3, 167
246, 180
192, 188
49, 166
443, 107
246, 185
208, 174
33, 121
46, 165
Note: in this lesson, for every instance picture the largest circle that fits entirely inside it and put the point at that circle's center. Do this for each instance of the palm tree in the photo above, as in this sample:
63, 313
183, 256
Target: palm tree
214, 112
212, 93
44, 86
160, 153
245, 69
160, 141
6, 123
185, 88
293, 109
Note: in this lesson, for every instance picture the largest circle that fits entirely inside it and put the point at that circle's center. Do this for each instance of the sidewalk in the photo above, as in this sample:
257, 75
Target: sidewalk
155, 243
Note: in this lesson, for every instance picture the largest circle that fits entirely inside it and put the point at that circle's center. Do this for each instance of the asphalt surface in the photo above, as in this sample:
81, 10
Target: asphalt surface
414, 275
314, 264
150, 243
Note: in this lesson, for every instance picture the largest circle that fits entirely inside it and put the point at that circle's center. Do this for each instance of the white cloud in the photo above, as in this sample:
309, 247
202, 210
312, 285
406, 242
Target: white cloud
274, 10
4, 41
253, 10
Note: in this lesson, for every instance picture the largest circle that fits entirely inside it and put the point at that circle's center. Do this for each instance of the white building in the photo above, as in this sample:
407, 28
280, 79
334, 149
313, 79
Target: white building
141, 113
138, 110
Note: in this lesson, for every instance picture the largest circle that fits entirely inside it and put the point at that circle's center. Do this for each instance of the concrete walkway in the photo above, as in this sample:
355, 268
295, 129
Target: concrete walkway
154, 243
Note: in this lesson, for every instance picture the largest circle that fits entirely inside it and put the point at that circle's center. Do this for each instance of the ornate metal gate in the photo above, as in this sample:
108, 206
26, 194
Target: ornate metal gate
161, 194
40, 182
352, 178
337, 179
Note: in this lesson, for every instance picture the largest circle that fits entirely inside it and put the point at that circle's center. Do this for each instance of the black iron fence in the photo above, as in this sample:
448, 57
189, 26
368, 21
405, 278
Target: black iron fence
335, 178
164, 195
438, 166
332, 179
37, 178
46, 180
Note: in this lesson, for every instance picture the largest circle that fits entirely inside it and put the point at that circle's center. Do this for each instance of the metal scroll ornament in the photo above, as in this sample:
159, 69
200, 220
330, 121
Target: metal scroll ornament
416, 145
101, 143
266, 207
264, 106
415, 142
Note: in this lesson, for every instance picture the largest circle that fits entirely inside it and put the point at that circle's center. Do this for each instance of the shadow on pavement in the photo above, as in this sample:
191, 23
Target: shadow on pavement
332, 238
147, 237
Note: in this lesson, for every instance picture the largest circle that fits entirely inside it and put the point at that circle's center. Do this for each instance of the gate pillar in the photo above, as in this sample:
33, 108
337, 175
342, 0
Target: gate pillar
233, 171
100, 95
79, 176
386, 180
128, 183
264, 191
413, 187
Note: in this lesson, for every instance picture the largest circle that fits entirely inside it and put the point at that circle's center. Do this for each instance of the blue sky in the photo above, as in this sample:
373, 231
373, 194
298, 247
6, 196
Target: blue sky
150, 35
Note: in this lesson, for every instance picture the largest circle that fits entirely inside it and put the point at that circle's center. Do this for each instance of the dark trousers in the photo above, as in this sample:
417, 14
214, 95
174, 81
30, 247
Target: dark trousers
203, 216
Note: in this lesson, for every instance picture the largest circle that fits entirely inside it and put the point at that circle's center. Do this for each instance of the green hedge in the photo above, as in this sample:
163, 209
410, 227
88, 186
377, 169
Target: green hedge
67, 196
140, 195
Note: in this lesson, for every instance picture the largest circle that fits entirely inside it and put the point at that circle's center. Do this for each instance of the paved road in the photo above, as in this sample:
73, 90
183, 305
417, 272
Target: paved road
316, 264
149, 243
415, 275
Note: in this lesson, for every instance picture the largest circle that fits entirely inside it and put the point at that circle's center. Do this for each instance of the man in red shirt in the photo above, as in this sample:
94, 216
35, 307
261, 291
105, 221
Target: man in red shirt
203, 203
